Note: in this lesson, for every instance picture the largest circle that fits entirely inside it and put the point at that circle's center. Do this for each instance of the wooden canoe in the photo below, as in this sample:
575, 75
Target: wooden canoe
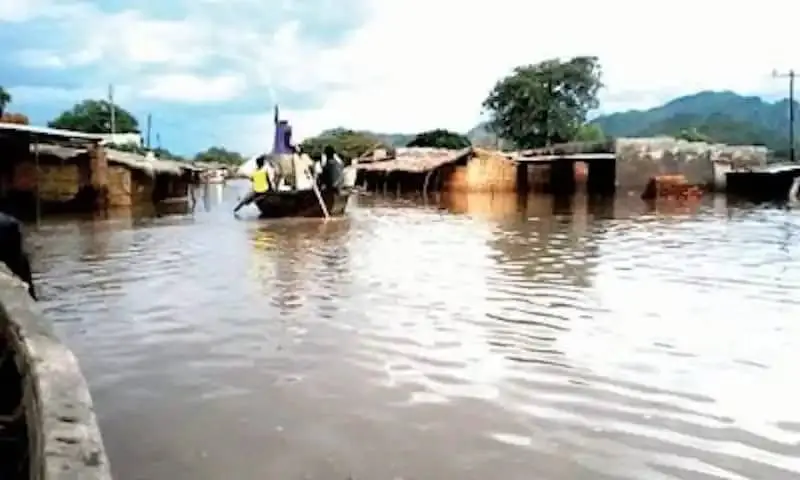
303, 203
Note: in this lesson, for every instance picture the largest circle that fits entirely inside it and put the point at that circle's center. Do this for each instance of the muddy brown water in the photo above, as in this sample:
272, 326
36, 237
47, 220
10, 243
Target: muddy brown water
486, 338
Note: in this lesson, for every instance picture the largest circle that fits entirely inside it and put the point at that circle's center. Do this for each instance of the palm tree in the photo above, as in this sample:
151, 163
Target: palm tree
5, 99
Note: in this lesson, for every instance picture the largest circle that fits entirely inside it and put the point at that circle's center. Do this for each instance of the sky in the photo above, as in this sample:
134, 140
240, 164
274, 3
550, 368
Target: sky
210, 71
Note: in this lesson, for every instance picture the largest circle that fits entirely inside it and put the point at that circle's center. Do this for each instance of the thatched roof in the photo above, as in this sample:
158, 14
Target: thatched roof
416, 160
127, 159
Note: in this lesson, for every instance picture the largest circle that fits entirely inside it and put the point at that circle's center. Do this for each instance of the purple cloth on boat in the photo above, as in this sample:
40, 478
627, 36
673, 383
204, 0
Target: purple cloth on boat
283, 138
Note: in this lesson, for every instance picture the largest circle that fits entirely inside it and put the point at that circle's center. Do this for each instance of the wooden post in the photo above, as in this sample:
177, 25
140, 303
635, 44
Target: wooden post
522, 186
602, 177
562, 177
98, 163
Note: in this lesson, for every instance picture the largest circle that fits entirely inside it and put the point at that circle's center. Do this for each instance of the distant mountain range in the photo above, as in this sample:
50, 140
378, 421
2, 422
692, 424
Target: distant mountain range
724, 117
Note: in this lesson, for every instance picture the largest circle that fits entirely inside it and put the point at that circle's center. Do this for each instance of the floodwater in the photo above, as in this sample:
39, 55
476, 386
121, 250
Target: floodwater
489, 338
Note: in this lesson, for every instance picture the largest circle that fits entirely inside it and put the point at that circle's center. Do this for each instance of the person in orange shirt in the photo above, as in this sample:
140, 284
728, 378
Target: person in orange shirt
260, 182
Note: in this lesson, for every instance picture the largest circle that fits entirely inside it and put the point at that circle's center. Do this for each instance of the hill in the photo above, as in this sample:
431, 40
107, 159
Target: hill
717, 116
724, 117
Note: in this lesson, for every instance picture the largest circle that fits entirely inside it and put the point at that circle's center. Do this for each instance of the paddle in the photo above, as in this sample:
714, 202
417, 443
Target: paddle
319, 195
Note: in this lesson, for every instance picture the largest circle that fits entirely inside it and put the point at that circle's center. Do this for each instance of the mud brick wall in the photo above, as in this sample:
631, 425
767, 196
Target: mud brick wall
639, 159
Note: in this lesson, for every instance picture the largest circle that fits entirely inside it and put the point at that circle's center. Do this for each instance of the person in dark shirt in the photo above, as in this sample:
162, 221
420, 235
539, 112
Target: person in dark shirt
12, 251
332, 174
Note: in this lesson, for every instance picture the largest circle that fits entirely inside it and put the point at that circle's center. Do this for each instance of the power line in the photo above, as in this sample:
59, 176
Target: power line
149, 125
790, 75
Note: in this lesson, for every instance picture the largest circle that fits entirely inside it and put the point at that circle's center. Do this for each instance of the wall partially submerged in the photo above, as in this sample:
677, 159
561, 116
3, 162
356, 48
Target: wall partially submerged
485, 171
63, 440
639, 159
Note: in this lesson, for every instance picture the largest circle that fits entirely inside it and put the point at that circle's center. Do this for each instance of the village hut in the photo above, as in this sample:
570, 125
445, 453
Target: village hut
421, 169
131, 179
24, 181
50, 170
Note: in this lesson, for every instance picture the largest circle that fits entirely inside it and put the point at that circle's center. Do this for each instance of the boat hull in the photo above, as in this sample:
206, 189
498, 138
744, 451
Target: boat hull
303, 203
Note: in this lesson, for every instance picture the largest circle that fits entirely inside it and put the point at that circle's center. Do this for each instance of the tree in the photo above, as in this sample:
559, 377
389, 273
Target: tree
5, 99
691, 134
94, 116
589, 132
546, 103
220, 155
440, 138
348, 143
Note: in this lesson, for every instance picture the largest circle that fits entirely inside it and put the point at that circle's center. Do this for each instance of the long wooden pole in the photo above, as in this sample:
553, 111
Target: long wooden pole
38, 179
319, 196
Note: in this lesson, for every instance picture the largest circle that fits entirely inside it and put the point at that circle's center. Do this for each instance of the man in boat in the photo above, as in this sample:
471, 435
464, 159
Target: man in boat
260, 181
332, 174
304, 165
12, 251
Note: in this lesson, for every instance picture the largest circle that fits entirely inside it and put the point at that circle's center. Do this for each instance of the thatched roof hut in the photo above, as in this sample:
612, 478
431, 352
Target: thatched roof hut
418, 168
416, 160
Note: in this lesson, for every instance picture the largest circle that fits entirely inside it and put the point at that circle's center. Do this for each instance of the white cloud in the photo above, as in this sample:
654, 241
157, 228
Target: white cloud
419, 64
192, 88
20, 10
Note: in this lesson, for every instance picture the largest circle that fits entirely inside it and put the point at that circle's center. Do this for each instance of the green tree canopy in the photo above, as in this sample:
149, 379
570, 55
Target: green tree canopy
589, 132
440, 138
348, 143
545, 103
220, 155
5, 99
94, 116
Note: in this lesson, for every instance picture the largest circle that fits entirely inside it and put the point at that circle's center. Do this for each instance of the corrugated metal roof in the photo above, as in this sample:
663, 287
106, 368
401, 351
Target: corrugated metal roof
771, 169
49, 132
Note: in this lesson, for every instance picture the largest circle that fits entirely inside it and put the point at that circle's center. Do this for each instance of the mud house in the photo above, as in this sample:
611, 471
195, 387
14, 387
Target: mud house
131, 179
47, 170
630, 163
435, 169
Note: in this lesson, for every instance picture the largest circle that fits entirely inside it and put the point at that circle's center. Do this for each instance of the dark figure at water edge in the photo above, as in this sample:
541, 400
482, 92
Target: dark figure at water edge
260, 182
12, 251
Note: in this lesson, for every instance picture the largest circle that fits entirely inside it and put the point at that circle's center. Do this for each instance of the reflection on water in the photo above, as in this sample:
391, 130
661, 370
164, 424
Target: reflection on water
550, 338
212, 194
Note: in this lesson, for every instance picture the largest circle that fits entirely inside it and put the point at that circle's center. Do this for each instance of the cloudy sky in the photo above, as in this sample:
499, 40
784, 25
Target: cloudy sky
209, 71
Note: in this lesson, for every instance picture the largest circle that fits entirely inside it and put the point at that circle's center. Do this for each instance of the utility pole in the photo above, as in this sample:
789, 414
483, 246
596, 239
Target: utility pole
149, 125
790, 75
112, 111
158, 141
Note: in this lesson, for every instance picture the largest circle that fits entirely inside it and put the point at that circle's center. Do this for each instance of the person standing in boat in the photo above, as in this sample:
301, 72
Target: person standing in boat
332, 173
260, 181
